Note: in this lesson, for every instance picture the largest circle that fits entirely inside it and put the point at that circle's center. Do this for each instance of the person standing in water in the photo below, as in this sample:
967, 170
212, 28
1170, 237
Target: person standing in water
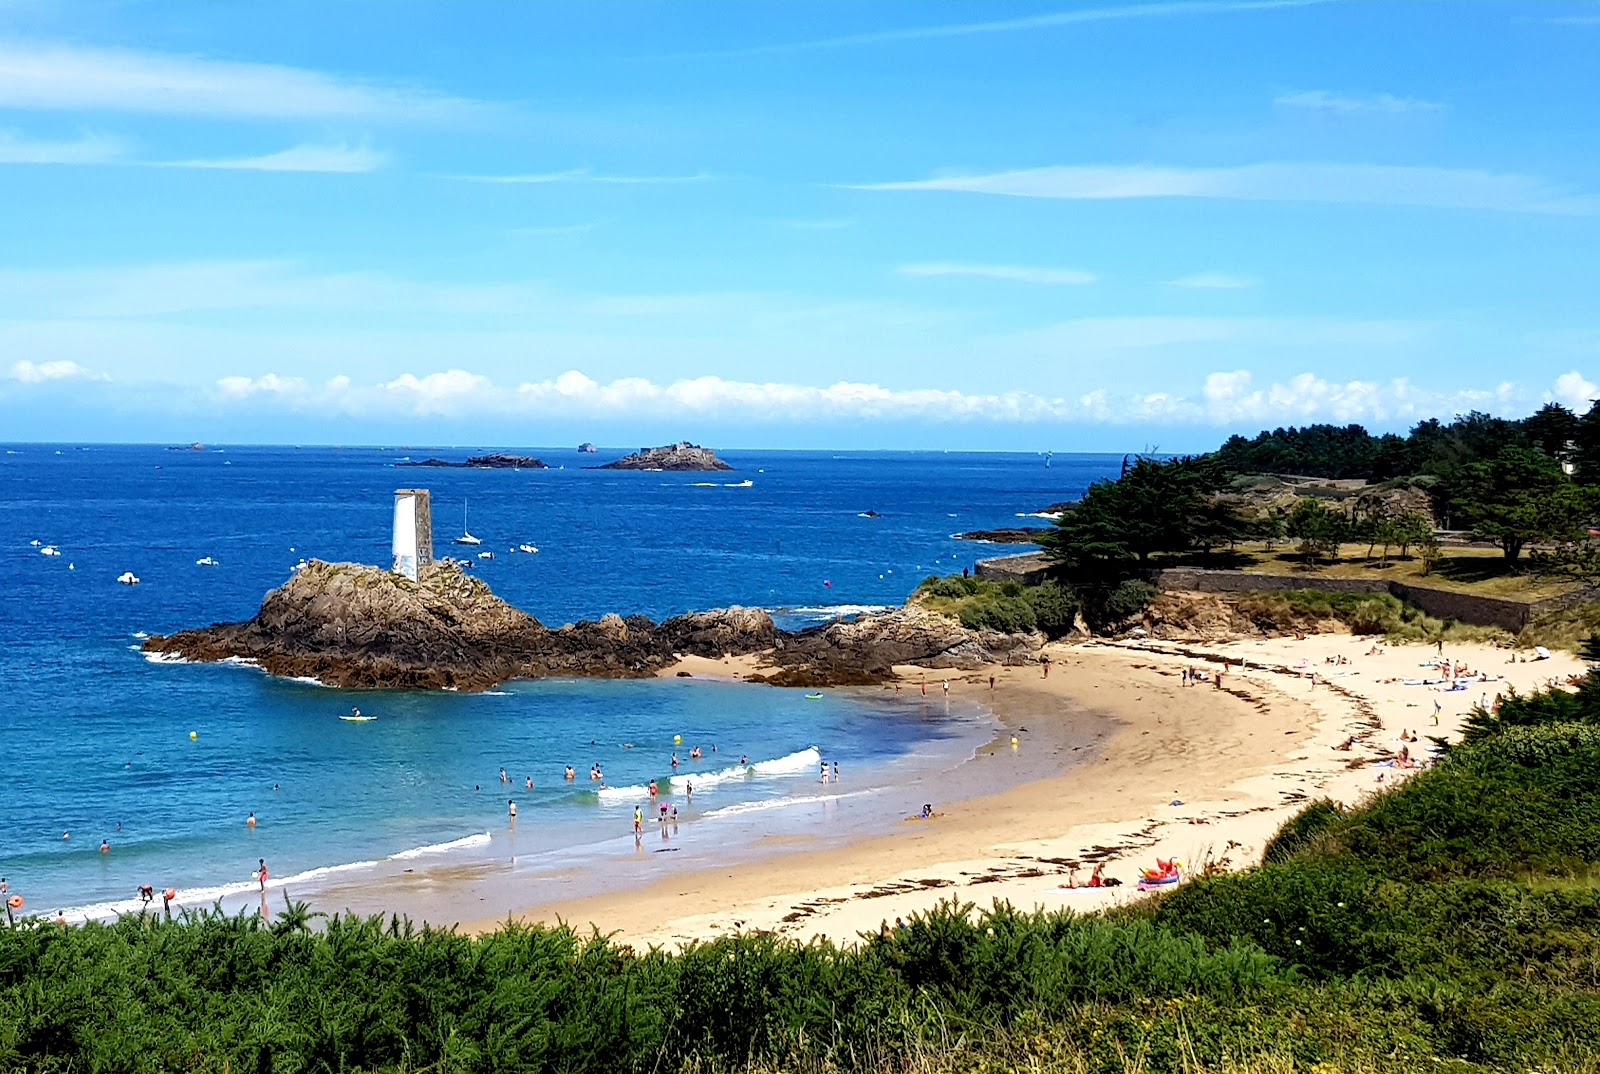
836, 771
638, 820
511, 810
250, 821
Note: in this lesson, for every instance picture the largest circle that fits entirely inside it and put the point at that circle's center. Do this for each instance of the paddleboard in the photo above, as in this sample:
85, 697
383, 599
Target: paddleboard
358, 719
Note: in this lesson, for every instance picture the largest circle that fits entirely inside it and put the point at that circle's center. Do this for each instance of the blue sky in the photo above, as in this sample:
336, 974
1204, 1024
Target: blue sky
1011, 226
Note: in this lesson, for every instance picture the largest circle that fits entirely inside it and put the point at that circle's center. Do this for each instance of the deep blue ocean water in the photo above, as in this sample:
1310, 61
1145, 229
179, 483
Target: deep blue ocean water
94, 736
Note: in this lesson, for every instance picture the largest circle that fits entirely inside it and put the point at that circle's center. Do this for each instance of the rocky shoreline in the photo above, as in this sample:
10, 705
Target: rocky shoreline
354, 625
494, 461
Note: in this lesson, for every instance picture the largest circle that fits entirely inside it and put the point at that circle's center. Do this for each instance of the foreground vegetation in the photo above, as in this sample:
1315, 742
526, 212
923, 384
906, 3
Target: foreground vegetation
1451, 924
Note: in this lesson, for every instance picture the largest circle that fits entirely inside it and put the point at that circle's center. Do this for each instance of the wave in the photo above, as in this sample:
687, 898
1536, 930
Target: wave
1052, 515
790, 764
309, 681
831, 611
738, 808
479, 840
608, 794
747, 483
159, 658
702, 484
194, 898
140, 634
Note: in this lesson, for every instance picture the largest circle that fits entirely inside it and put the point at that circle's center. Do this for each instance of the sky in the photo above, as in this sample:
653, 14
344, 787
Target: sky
1008, 226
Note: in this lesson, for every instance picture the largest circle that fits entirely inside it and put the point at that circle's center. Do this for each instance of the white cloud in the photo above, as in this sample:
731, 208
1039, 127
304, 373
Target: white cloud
1359, 184
1351, 104
1223, 398
300, 158
1575, 391
37, 75
1022, 273
90, 149
585, 175
40, 372
1217, 281
1030, 22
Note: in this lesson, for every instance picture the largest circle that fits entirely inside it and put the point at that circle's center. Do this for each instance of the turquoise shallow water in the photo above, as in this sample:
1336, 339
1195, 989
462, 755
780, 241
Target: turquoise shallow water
96, 737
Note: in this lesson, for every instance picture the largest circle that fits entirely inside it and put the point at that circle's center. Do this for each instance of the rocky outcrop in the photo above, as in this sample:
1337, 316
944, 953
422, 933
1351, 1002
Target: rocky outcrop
493, 461
347, 624
1012, 535
680, 456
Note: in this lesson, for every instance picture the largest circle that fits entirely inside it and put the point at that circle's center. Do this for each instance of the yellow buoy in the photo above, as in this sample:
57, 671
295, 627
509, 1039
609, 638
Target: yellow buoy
677, 740
1013, 741
194, 734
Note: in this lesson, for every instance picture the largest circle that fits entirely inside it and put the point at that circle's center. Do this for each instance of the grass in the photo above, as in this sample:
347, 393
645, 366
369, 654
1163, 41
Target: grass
1459, 569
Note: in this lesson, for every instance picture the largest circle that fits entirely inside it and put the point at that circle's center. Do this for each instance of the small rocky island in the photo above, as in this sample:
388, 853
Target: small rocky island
680, 456
494, 461
354, 625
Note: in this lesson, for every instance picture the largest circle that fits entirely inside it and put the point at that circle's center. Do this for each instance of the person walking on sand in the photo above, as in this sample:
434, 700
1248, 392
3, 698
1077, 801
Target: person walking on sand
947, 688
924, 687
638, 820
836, 771
261, 874
1045, 661
991, 682
1436, 708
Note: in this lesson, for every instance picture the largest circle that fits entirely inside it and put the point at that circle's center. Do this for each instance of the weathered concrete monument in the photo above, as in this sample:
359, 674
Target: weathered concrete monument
413, 531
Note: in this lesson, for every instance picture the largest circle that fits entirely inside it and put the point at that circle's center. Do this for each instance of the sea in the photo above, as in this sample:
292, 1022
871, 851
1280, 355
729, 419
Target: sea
163, 763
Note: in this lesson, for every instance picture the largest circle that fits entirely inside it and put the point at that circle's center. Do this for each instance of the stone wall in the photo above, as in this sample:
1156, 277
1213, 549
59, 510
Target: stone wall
1473, 608
1029, 568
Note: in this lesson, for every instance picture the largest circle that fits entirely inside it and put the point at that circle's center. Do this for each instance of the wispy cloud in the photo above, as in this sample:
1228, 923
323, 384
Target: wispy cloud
42, 372
1361, 184
1225, 397
585, 175
1047, 21
1355, 104
90, 149
1216, 281
36, 75
1020, 273
301, 158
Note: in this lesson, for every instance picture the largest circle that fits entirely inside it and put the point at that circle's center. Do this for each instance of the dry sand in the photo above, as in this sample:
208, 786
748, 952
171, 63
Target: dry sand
1199, 773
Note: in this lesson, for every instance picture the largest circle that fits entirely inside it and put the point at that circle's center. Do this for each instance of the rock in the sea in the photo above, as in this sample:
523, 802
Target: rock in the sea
493, 461
348, 624
680, 456
587, 448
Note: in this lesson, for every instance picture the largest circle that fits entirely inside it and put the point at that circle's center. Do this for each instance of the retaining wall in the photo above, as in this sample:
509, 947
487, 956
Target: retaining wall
1474, 608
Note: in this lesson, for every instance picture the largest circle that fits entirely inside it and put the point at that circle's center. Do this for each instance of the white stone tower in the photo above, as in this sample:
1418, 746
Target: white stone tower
413, 531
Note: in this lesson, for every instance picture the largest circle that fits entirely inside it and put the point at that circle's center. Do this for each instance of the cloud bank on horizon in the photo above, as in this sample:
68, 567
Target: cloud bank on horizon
1062, 225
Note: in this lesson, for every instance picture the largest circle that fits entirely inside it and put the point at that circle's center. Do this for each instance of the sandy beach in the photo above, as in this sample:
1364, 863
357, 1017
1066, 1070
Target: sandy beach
1143, 766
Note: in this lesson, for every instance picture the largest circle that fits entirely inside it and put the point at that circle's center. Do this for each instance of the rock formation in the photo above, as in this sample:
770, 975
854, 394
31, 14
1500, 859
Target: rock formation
347, 624
494, 461
1010, 535
680, 456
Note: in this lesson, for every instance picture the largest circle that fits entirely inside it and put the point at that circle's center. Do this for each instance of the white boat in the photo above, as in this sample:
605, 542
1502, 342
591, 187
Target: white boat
49, 550
528, 548
35, 542
205, 561
466, 534
485, 555
128, 578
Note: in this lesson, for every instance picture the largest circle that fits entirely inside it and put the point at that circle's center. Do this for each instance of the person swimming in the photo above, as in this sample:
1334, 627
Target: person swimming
569, 772
250, 821
105, 846
530, 783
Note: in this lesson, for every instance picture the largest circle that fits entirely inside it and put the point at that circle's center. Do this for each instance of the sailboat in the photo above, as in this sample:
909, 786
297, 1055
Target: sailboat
466, 534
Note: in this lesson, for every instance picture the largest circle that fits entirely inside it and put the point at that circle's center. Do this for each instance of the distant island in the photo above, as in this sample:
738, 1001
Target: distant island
495, 461
587, 448
680, 456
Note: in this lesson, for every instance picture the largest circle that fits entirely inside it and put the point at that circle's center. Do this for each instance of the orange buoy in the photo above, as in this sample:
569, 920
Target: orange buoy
169, 894
15, 902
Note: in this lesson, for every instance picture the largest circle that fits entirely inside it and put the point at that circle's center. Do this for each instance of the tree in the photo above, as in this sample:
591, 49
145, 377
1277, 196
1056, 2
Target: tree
1411, 527
1516, 498
1119, 524
1319, 529
1552, 429
1428, 552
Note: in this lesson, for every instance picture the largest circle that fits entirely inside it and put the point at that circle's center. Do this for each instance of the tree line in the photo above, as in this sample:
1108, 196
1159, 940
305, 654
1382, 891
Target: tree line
1532, 483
